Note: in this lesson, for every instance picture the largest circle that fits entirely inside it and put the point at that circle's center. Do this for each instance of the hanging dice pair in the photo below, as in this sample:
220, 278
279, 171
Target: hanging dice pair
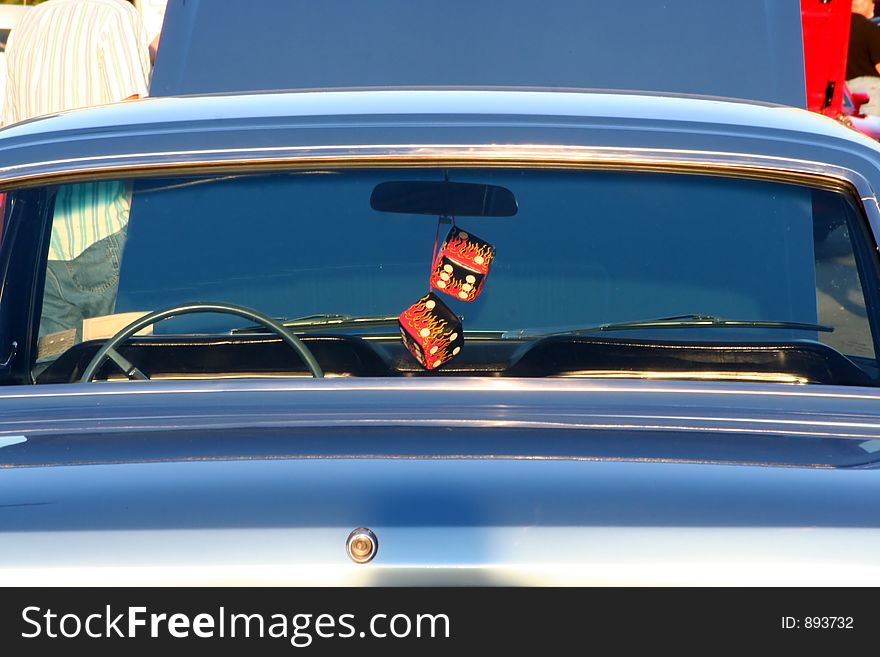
431, 331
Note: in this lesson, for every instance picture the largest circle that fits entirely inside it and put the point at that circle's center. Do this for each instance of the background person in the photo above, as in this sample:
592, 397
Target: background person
68, 54
863, 55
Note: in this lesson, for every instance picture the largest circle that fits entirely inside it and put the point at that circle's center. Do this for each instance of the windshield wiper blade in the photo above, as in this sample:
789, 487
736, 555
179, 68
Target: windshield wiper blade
678, 321
325, 321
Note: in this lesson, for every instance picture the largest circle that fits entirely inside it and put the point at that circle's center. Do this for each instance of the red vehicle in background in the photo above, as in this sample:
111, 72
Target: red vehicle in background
826, 36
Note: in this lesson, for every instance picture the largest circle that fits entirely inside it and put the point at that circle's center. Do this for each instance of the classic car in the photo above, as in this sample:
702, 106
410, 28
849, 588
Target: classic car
442, 336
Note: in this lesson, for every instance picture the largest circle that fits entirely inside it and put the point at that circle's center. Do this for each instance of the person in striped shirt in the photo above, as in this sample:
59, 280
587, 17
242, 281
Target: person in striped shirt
64, 55
67, 54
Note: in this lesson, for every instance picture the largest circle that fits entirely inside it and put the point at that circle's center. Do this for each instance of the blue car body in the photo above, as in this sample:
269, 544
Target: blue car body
463, 479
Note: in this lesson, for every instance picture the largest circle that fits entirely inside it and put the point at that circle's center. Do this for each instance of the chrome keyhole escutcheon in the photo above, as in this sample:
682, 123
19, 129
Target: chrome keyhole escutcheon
362, 545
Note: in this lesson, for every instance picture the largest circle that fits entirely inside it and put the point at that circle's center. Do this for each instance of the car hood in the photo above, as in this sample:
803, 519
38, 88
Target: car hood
750, 49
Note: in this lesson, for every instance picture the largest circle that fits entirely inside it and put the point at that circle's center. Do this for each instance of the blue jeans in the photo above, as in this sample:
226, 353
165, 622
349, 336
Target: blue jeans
83, 287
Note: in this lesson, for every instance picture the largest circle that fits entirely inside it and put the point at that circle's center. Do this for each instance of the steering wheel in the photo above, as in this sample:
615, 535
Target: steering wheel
108, 349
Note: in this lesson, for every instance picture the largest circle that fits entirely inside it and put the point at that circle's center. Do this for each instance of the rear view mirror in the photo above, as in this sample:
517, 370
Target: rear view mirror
444, 199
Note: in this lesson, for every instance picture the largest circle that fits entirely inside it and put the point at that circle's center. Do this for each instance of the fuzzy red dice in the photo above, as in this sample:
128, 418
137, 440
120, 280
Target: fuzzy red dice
462, 265
431, 331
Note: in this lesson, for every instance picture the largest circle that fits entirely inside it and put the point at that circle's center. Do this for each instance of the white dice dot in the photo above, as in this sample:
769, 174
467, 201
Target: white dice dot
447, 268
434, 350
479, 260
424, 333
463, 235
462, 295
441, 284
437, 363
455, 351
470, 278
452, 337
430, 304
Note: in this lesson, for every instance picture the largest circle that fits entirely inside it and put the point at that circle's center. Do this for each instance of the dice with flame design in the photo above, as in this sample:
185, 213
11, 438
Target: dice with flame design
462, 265
431, 331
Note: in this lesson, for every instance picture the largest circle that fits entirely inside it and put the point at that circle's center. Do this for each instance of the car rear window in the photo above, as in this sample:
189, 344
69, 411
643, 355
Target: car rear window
584, 249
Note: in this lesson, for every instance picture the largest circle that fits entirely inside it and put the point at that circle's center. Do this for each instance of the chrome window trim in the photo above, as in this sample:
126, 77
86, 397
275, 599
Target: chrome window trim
280, 158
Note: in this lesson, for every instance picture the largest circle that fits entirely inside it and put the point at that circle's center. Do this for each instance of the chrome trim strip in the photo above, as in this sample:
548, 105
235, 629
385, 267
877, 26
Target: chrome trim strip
450, 155
341, 156
450, 384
